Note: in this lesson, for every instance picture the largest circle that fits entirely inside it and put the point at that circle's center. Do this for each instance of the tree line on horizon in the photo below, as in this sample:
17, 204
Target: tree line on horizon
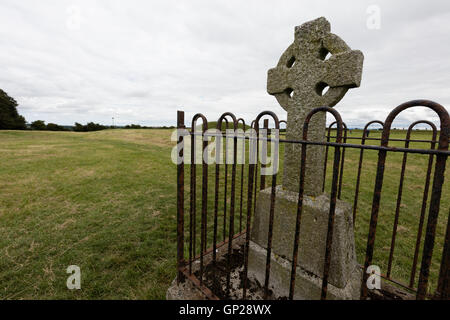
11, 120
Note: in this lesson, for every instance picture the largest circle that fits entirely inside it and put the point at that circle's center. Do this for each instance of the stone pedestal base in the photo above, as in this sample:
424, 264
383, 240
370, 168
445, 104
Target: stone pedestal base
344, 277
307, 285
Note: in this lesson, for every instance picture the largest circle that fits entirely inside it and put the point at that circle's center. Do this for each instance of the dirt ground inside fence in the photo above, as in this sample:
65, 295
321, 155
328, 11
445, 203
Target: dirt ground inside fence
215, 276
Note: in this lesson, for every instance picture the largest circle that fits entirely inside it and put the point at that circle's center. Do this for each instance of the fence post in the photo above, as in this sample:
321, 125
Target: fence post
180, 196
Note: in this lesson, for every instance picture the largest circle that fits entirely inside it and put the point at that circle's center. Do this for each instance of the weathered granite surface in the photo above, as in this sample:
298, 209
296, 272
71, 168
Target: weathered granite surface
297, 82
307, 285
313, 231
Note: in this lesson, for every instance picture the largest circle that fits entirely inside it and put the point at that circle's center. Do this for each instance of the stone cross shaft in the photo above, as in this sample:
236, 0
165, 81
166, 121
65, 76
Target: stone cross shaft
299, 81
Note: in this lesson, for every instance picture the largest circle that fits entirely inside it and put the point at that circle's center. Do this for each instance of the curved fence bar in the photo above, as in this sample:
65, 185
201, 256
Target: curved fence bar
334, 185
264, 149
225, 202
341, 172
400, 191
242, 160
264, 137
337, 158
256, 150
180, 197
326, 157
358, 175
251, 177
193, 187
435, 196
424, 202
272, 195
219, 150
233, 188
232, 207
285, 124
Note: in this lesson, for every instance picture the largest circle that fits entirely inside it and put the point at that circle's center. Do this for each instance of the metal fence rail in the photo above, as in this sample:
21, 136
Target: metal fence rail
437, 157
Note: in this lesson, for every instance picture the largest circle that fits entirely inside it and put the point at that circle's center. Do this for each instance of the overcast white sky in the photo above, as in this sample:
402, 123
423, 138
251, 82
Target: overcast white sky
140, 61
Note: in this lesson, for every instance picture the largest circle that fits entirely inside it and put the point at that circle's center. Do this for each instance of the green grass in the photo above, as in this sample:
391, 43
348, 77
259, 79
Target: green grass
103, 201
106, 201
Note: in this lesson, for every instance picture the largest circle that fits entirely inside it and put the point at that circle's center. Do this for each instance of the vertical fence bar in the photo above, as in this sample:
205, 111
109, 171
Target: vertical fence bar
180, 197
193, 191
273, 191
298, 220
376, 201
375, 208
341, 172
226, 183
424, 205
232, 206
358, 177
202, 239
326, 158
205, 188
334, 193
256, 169
399, 197
193, 201
218, 142
219, 150
443, 290
399, 201
251, 175
265, 134
433, 213
436, 192
242, 174
330, 223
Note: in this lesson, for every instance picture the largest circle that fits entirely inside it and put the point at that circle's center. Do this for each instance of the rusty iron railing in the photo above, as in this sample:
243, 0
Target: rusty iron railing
436, 156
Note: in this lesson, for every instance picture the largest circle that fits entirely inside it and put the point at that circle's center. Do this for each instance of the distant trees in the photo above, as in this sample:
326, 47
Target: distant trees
78, 127
9, 117
55, 127
137, 126
91, 126
38, 125
133, 126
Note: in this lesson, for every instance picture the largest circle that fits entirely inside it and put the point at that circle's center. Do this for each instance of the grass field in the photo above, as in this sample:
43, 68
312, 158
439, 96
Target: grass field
106, 201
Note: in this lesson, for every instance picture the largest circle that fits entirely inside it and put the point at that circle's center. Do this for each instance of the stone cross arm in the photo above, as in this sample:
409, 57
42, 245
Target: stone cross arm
340, 70
344, 69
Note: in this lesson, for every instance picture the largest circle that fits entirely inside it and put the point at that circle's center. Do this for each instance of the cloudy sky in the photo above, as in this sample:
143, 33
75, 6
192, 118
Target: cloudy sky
140, 61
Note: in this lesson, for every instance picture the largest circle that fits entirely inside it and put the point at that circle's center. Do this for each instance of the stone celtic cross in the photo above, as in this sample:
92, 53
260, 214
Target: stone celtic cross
298, 82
